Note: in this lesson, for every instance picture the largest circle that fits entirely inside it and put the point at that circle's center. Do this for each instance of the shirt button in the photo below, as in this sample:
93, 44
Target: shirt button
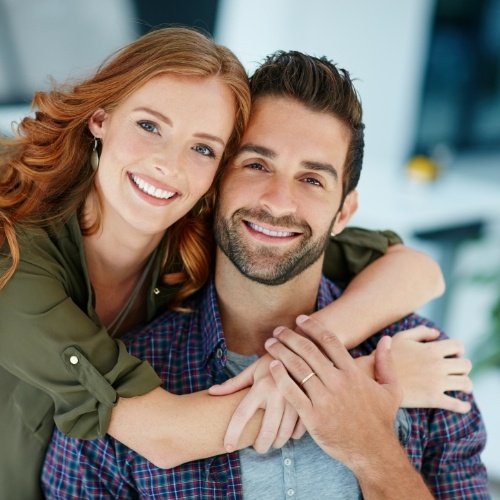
220, 353
290, 492
287, 462
156, 291
73, 360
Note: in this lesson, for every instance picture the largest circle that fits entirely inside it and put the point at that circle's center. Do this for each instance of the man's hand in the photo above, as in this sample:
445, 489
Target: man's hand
341, 407
348, 414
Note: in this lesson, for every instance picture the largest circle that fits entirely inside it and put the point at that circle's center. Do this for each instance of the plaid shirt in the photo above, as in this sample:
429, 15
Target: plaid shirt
188, 351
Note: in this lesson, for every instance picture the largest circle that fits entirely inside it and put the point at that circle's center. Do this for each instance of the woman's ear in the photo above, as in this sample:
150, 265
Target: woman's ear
98, 123
345, 213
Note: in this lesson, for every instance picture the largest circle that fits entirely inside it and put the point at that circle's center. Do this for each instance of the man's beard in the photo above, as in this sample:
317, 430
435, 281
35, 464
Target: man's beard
268, 265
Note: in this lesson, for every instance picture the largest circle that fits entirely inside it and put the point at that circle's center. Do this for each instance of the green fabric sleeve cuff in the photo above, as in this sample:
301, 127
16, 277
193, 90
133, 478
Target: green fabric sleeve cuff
90, 419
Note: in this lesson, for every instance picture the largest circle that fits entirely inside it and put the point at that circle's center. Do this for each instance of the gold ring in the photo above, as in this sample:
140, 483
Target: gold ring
307, 378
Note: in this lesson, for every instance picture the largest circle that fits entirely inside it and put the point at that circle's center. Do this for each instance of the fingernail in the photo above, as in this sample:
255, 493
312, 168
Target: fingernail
274, 363
278, 330
301, 318
270, 342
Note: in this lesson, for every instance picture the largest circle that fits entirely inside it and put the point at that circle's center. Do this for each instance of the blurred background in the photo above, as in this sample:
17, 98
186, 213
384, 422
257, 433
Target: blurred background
428, 72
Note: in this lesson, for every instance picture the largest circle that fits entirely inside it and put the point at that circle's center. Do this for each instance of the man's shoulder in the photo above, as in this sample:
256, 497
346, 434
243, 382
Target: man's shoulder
170, 323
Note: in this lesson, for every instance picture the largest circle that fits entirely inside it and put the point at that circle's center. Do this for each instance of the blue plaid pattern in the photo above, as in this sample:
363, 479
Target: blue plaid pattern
188, 351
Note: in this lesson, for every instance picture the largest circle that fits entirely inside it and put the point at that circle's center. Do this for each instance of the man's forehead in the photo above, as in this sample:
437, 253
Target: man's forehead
283, 127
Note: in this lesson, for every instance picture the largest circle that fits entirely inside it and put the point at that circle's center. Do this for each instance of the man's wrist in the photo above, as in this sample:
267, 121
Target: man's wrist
389, 474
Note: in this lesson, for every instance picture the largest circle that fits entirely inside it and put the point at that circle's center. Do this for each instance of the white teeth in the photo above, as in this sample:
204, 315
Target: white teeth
276, 234
151, 190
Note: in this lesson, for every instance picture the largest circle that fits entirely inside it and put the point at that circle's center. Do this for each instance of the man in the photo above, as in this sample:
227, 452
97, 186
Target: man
290, 185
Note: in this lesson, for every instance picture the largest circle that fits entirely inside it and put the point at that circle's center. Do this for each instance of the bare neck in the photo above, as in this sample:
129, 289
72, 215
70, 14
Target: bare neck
116, 262
251, 311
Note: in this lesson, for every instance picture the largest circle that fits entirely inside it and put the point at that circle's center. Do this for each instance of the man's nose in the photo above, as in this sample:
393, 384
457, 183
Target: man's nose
279, 196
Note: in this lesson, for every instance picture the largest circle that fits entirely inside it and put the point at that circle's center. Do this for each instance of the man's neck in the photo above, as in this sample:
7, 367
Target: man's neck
251, 311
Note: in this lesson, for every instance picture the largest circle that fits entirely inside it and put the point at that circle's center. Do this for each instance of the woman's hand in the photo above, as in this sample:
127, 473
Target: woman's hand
280, 422
427, 369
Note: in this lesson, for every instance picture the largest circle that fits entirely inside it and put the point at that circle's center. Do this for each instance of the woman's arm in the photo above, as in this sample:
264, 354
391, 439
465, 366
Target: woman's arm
170, 430
389, 288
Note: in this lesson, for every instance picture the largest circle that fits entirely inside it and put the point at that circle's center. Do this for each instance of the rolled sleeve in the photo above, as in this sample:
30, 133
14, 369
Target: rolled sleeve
53, 345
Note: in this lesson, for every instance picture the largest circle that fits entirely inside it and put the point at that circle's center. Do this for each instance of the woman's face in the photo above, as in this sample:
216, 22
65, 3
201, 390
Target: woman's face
160, 150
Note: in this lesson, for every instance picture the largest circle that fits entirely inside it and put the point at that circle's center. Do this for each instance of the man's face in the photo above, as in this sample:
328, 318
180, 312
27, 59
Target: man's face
281, 194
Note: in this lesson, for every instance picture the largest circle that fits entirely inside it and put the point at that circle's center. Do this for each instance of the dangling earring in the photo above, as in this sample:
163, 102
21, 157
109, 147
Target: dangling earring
94, 155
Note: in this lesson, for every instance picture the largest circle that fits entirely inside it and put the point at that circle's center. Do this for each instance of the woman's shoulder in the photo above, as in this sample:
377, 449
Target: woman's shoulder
49, 234
46, 243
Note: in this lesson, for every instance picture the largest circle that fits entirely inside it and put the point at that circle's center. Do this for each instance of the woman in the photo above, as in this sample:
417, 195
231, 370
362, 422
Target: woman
104, 209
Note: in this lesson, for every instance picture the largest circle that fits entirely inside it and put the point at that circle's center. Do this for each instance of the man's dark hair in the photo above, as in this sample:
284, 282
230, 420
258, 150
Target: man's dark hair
320, 85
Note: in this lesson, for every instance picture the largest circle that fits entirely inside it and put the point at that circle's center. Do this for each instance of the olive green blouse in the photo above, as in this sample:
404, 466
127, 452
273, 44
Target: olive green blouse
57, 362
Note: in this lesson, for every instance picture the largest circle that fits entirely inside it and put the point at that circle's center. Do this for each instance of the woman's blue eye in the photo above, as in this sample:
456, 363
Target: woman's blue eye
205, 151
148, 127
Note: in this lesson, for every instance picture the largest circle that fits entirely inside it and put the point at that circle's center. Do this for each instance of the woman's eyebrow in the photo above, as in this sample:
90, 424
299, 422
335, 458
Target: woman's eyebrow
168, 121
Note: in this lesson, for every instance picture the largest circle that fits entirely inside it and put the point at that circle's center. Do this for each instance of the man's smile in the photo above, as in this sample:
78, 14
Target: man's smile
270, 232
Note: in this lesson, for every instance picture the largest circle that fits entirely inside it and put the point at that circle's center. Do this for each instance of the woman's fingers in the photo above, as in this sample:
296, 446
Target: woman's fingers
241, 381
456, 405
287, 426
419, 334
460, 383
270, 426
243, 413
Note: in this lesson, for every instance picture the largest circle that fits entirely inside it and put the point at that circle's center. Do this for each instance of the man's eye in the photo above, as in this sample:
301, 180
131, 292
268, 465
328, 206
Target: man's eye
148, 127
255, 166
204, 150
312, 181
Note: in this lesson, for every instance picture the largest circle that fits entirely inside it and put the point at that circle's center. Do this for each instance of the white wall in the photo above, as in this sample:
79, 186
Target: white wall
59, 39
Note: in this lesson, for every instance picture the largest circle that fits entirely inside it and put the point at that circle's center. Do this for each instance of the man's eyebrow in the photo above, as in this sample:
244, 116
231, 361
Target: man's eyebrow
254, 148
322, 167
168, 121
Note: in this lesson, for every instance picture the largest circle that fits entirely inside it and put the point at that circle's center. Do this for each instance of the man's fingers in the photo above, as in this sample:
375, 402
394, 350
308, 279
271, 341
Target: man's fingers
288, 388
329, 343
299, 355
385, 372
